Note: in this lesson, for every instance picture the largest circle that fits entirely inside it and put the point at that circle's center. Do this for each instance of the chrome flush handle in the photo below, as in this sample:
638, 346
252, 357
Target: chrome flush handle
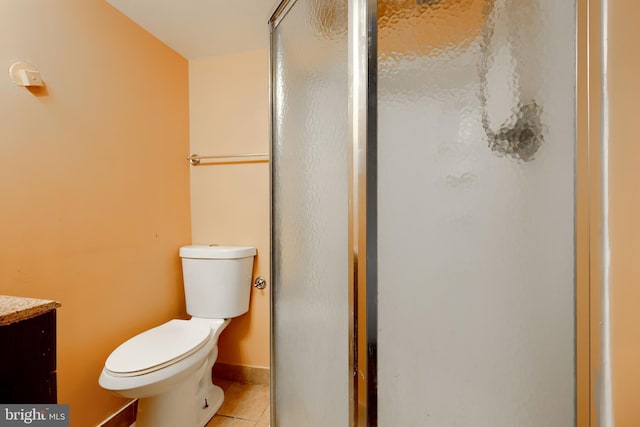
260, 282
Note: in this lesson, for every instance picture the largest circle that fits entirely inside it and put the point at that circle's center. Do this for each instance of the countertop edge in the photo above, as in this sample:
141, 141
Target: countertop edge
25, 313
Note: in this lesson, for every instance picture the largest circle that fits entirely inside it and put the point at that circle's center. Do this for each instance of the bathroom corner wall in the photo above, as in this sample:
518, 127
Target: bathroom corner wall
93, 184
624, 208
230, 202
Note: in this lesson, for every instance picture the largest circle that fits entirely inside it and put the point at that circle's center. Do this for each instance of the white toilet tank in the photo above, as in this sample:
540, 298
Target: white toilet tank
217, 280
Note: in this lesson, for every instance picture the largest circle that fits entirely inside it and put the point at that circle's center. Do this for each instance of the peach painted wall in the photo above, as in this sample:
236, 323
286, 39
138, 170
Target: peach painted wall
93, 184
229, 99
624, 208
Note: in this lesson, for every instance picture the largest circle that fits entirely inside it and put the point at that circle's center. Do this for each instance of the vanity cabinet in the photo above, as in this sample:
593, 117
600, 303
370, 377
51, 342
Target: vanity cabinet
28, 359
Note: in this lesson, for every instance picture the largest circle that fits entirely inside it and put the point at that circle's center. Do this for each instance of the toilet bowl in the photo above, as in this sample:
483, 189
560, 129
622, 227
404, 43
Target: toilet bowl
168, 368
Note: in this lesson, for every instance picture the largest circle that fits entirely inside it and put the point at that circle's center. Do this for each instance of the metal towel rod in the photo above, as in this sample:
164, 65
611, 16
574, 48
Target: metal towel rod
195, 159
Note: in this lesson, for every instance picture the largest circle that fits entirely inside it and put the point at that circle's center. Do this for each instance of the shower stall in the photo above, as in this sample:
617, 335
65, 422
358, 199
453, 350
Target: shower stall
424, 178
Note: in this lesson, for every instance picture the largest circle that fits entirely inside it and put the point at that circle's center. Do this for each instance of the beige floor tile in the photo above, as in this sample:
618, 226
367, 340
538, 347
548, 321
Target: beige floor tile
245, 401
265, 419
220, 421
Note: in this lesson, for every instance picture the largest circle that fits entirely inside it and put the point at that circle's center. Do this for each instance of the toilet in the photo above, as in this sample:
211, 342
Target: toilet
168, 368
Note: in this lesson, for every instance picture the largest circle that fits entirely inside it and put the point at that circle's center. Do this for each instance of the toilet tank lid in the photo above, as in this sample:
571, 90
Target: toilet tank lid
216, 252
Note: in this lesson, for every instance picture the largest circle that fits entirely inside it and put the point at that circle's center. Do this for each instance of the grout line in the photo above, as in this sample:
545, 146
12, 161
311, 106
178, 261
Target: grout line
254, 423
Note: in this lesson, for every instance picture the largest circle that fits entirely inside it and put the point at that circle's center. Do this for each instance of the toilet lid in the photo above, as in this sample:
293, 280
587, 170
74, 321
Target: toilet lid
162, 345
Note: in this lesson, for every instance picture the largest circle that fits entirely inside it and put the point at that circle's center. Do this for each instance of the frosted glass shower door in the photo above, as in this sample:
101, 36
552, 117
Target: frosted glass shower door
310, 307
476, 151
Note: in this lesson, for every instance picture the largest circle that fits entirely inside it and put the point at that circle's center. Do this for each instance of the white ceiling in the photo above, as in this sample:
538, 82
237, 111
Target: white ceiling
203, 28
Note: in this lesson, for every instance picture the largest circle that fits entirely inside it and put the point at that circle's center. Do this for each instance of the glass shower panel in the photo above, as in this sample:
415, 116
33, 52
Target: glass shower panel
310, 221
476, 149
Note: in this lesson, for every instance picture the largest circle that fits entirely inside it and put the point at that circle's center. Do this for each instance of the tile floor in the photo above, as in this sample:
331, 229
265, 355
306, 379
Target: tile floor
245, 405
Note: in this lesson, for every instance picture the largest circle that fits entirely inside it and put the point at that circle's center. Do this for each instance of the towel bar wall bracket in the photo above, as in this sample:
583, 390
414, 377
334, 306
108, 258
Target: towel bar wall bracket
195, 159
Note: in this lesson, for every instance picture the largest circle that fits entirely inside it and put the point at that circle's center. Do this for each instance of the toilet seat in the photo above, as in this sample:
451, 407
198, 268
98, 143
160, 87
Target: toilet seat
158, 348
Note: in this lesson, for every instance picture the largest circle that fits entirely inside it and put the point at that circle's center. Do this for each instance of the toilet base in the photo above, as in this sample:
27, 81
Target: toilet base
191, 403
155, 412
